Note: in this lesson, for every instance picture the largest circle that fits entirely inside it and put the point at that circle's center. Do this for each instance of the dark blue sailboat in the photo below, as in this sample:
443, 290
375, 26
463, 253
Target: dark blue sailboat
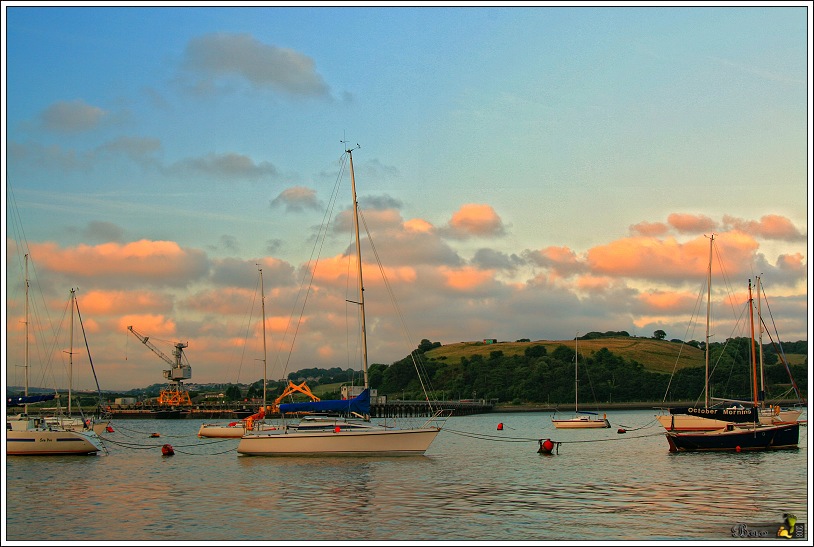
738, 437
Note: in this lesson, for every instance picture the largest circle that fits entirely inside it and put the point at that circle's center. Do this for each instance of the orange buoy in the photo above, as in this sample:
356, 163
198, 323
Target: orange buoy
500, 426
167, 450
154, 435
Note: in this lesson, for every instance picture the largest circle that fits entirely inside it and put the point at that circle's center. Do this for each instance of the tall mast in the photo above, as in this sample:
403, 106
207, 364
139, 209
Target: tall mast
762, 394
26, 334
706, 343
754, 366
576, 373
263, 308
70, 353
359, 267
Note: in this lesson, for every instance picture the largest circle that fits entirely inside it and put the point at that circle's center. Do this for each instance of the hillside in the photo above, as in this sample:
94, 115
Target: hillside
654, 355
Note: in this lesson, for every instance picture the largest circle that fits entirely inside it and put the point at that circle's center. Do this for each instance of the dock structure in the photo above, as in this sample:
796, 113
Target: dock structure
389, 409
407, 409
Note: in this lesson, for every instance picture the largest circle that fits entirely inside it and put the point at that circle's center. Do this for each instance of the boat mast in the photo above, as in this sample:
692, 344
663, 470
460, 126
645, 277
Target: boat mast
263, 309
359, 266
754, 366
25, 407
576, 373
706, 343
70, 353
762, 394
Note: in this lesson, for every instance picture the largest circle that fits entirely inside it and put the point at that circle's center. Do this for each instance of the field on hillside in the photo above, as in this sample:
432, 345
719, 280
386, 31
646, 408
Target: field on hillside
655, 355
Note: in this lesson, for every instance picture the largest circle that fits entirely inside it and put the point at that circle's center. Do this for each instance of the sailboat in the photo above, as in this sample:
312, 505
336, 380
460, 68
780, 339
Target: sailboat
39, 436
716, 417
236, 429
341, 427
582, 419
738, 437
706, 418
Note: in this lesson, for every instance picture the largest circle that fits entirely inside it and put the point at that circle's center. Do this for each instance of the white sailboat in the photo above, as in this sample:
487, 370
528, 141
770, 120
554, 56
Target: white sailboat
349, 430
581, 419
39, 436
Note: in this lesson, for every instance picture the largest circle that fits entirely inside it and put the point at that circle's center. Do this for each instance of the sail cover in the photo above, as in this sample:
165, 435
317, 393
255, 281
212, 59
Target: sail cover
28, 399
737, 415
360, 404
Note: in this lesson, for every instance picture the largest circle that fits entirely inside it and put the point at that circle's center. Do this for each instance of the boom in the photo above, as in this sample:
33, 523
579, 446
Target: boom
179, 371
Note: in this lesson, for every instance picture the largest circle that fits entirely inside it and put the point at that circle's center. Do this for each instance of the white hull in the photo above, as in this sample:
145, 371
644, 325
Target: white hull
771, 416
581, 423
40, 442
216, 431
344, 442
76, 424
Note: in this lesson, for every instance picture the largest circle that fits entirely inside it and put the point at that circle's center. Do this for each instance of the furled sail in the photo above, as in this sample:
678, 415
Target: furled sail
360, 405
29, 399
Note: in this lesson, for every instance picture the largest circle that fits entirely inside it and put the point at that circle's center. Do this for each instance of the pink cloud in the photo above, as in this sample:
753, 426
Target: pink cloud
467, 278
143, 259
693, 224
418, 225
475, 220
649, 229
651, 258
768, 227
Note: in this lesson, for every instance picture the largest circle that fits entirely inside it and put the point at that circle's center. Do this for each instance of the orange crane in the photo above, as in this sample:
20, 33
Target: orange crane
175, 393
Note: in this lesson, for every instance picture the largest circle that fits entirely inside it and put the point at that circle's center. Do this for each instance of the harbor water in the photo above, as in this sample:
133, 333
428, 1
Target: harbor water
479, 481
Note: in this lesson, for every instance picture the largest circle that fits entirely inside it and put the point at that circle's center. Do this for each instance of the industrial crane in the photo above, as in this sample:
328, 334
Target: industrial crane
175, 393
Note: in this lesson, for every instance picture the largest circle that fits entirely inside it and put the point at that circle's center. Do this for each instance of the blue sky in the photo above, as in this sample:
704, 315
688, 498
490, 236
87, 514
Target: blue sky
526, 172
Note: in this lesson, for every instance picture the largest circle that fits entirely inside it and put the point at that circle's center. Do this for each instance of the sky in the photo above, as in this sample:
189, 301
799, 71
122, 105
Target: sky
530, 171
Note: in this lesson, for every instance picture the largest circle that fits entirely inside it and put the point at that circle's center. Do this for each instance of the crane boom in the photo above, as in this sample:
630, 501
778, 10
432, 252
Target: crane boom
179, 371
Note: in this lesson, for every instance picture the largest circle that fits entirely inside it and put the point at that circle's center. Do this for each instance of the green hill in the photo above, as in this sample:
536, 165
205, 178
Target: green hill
655, 355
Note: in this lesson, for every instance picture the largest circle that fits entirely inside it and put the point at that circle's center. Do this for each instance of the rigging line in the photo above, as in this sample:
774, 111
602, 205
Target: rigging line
90, 359
778, 345
318, 244
486, 437
687, 332
613, 439
420, 369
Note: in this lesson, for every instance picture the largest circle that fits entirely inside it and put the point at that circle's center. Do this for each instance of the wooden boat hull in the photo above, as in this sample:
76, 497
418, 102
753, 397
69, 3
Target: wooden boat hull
52, 443
579, 423
687, 423
344, 442
736, 439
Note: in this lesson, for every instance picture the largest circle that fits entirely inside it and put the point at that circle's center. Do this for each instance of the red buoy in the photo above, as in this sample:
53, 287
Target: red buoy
621, 430
500, 426
737, 449
167, 450
337, 429
546, 446
109, 429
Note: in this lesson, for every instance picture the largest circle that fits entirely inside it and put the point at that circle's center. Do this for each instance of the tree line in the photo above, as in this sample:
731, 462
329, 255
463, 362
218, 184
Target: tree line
543, 376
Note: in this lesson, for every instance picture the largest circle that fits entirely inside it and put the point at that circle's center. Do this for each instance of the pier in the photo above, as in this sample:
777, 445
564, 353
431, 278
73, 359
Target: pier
383, 409
408, 409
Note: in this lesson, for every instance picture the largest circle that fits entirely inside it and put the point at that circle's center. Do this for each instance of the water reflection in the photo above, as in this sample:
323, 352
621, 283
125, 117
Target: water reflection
601, 486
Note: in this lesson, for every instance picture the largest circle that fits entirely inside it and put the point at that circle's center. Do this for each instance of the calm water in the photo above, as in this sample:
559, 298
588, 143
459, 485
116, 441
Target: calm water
475, 483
